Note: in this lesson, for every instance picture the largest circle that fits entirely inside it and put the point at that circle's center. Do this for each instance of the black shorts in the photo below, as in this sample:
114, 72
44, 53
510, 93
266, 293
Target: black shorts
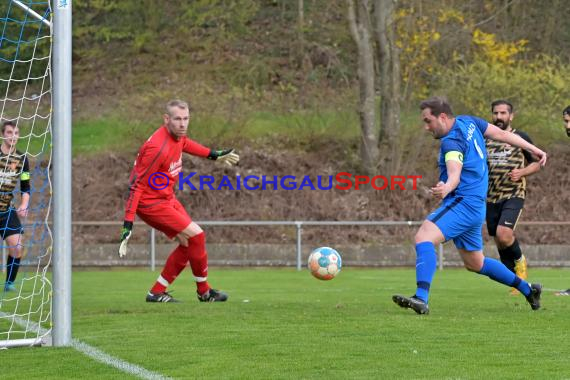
504, 213
10, 223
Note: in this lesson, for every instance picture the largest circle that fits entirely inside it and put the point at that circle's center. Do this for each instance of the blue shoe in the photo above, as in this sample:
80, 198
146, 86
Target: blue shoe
9, 287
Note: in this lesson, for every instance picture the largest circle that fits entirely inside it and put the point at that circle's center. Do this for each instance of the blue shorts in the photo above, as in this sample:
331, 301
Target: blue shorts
461, 220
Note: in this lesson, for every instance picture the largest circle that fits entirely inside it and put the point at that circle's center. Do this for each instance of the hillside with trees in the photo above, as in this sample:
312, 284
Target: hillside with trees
313, 87
234, 58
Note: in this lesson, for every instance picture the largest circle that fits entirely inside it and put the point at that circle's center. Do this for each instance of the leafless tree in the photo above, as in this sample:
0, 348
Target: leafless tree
389, 81
361, 30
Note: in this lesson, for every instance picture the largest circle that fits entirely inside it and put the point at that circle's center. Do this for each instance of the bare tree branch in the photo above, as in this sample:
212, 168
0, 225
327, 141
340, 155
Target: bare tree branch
496, 14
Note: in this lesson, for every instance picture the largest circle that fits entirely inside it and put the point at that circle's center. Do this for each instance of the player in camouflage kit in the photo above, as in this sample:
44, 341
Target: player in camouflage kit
14, 168
508, 167
566, 118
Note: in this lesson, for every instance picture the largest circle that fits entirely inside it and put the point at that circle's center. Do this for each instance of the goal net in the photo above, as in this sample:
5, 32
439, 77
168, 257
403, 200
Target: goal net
25, 100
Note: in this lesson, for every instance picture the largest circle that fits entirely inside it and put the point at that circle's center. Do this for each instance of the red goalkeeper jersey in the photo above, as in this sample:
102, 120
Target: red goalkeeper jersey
162, 154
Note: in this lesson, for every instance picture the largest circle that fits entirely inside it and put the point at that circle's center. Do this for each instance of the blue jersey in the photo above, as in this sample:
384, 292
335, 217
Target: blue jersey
466, 137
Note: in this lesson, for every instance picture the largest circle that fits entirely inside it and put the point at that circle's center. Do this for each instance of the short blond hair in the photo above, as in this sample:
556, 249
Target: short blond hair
176, 103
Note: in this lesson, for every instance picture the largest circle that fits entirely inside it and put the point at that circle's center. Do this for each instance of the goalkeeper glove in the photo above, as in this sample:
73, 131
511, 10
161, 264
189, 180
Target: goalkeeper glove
226, 156
126, 232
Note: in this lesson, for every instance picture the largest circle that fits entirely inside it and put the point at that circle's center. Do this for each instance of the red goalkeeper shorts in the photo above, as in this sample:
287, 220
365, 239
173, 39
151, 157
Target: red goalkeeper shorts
168, 216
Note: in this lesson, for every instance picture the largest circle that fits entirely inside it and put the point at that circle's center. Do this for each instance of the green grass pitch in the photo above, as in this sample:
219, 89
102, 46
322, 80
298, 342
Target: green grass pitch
284, 324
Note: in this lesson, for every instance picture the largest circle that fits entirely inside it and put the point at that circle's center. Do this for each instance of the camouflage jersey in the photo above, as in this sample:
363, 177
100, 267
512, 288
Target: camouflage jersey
14, 167
502, 158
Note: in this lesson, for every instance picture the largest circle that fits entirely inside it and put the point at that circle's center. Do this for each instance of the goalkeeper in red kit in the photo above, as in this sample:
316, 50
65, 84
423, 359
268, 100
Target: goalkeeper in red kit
151, 197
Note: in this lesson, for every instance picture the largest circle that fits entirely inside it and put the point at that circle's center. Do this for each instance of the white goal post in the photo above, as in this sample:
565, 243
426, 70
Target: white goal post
62, 157
35, 95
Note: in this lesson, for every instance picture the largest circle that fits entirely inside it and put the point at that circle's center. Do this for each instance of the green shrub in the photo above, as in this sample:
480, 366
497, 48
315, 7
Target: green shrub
537, 89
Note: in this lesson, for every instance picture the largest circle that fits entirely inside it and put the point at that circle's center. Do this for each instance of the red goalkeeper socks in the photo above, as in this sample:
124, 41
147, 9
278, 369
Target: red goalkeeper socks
199, 261
175, 264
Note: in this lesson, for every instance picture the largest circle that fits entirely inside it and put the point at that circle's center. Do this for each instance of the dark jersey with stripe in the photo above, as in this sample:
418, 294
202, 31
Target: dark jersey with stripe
503, 158
14, 167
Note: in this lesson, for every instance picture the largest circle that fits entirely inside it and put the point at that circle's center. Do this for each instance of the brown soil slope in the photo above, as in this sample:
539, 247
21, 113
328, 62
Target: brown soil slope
100, 183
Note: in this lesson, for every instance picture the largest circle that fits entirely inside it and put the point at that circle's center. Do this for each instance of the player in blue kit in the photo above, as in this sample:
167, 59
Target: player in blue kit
462, 187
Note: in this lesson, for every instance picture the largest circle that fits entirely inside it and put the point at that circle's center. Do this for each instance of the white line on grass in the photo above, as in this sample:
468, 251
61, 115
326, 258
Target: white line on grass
100, 356
93, 353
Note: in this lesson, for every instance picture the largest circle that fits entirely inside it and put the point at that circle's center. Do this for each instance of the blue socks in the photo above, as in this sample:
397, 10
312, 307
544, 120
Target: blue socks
497, 271
426, 263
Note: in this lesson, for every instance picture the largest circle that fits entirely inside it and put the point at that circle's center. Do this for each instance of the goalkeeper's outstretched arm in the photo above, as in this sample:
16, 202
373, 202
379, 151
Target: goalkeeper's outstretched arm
226, 156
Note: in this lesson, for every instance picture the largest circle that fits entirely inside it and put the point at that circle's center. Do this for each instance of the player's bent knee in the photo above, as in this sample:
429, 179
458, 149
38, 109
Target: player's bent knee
505, 242
182, 240
472, 260
15, 252
472, 268
473, 265
429, 232
191, 230
504, 234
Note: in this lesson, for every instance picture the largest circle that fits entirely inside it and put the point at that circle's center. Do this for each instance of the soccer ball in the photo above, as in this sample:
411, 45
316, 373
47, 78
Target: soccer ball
325, 263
